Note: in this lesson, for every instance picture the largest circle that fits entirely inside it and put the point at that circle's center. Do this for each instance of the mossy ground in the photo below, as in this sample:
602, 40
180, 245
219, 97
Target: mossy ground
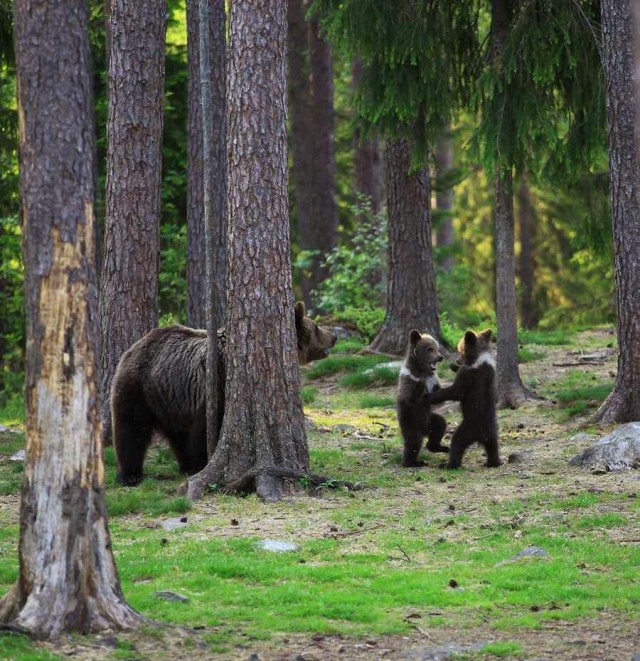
416, 561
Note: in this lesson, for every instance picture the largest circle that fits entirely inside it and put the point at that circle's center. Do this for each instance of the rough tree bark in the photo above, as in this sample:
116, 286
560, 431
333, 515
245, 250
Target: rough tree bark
129, 283
444, 198
511, 390
300, 114
263, 423
411, 295
321, 233
367, 157
68, 579
623, 404
529, 314
197, 261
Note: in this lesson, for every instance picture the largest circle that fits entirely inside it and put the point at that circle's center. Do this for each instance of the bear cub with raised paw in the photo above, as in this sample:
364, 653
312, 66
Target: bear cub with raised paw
474, 387
417, 377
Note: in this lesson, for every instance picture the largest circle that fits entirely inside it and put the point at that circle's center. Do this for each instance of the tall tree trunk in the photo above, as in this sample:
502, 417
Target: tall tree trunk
444, 198
367, 157
197, 287
302, 140
511, 391
529, 314
68, 579
263, 422
321, 234
623, 404
411, 296
129, 283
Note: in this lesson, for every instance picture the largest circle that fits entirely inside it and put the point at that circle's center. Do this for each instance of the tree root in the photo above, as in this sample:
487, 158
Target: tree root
15, 629
266, 481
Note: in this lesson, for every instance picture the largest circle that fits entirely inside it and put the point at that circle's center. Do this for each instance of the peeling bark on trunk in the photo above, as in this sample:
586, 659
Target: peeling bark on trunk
444, 198
263, 423
197, 287
511, 391
529, 314
68, 579
129, 283
623, 404
411, 295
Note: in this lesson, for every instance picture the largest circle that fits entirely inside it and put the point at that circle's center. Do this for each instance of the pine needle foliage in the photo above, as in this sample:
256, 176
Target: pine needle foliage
541, 100
420, 59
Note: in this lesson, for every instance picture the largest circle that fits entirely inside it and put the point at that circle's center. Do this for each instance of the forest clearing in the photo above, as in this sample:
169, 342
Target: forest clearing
244, 247
373, 570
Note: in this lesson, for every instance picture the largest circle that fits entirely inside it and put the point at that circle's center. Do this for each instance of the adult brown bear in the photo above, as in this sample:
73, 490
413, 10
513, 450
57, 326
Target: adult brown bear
159, 386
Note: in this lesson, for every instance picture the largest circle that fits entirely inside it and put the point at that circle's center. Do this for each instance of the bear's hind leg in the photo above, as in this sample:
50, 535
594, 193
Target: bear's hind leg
492, 451
132, 429
437, 426
461, 440
412, 445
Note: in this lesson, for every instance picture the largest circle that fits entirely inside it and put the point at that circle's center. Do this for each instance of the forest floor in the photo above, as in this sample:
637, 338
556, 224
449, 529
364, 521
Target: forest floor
420, 564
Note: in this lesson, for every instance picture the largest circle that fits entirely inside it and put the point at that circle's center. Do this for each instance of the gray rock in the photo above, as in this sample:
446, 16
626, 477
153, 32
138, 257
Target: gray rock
582, 437
20, 455
167, 595
276, 546
529, 552
344, 429
619, 450
174, 524
520, 457
392, 365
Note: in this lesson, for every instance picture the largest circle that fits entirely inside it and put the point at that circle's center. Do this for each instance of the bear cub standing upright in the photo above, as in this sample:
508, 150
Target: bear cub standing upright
474, 387
417, 376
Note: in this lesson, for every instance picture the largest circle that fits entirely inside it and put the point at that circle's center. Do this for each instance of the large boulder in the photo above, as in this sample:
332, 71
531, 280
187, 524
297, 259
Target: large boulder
617, 451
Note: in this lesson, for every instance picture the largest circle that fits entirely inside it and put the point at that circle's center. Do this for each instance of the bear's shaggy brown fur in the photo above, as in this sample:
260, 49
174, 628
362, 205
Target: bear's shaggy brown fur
474, 387
416, 420
159, 386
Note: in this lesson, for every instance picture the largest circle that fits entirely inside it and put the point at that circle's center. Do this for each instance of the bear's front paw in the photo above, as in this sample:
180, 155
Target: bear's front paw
418, 463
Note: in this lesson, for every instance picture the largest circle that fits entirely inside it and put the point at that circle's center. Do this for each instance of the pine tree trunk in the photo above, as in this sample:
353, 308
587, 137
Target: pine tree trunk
197, 287
68, 579
411, 296
444, 199
367, 157
129, 283
321, 234
263, 422
511, 391
302, 144
623, 404
529, 315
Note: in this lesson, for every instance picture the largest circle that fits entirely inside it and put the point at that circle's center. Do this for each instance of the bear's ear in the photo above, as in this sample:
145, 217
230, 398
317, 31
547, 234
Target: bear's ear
470, 339
414, 337
487, 334
300, 312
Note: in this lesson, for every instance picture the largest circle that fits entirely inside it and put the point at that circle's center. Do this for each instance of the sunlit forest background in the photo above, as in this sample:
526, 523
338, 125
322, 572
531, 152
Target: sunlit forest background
571, 252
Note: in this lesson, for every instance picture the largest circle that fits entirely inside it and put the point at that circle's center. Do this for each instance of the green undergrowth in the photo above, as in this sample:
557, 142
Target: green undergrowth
425, 545
579, 392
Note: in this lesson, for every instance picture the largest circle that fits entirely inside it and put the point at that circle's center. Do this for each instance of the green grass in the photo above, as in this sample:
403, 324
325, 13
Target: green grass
550, 338
371, 377
528, 355
367, 559
345, 363
12, 412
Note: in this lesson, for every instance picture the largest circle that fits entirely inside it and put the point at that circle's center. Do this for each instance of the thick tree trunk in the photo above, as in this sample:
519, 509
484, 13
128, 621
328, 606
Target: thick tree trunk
321, 234
68, 579
129, 283
367, 158
197, 287
411, 296
511, 391
529, 314
302, 141
263, 423
444, 199
623, 404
